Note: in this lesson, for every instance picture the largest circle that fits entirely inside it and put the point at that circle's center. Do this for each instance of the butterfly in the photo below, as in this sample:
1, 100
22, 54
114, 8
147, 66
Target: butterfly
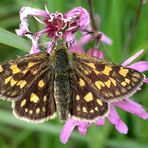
42, 85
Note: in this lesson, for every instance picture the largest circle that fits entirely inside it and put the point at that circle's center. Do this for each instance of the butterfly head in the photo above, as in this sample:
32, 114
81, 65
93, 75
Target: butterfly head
60, 45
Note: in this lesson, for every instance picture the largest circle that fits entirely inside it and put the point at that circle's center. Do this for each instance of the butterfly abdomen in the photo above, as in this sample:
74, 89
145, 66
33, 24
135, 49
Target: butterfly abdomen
62, 95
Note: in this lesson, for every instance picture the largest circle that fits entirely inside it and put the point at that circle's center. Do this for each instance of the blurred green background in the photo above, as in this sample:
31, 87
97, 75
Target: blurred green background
117, 18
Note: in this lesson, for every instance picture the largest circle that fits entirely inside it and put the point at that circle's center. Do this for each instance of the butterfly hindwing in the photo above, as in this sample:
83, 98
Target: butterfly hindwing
111, 82
86, 104
37, 104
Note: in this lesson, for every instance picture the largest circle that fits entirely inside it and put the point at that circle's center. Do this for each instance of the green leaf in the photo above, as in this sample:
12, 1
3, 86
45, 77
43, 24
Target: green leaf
13, 40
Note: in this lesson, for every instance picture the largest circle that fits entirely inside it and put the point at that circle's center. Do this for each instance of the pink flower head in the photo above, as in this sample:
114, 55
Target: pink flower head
58, 25
127, 105
55, 25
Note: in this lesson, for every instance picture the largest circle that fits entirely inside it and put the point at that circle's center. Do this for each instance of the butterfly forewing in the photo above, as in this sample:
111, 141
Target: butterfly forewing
17, 75
110, 82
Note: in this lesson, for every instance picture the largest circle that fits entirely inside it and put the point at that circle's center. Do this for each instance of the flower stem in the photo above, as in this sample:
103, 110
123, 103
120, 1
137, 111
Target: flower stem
93, 23
97, 36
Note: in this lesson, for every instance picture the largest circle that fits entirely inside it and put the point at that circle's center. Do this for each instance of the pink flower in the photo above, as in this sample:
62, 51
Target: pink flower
127, 105
57, 25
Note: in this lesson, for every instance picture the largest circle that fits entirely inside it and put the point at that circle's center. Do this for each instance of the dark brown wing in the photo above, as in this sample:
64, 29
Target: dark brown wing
110, 82
28, 83
17, 75
37, 104
86, 105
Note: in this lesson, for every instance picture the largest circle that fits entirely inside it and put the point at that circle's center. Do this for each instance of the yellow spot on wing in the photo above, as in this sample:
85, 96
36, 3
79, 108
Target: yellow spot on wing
123, 83
106, 94
8, 79
134, 79
81, 82
23, 102
129, 87
78, 108
37, 110
26, 110
107, 70
91, 111
12, 82
86, 72
101, 83
43, 109
30, 64
14, 69
84, 109
127, 80
108, 83
34, 98
113, 81
77, 97
135, 74
45, 98
96, 108
41, 83
34, 72
110, 94
25, 71
31, 111
92, 65
1, 68
99, 102
123, 71
123, 90
88, 97
96, 72
98, 85
117, 92
21, 83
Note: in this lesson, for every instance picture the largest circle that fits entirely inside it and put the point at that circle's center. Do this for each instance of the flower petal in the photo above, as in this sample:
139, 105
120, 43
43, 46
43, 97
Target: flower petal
96, 53
69, 37
83, 16
116, 120
146, 80
104, 38
132, 107
128, 61
100, 121
83, 127
67, 130
84, 40
24, 13
34, 48
70, 125
140, 66
50, 46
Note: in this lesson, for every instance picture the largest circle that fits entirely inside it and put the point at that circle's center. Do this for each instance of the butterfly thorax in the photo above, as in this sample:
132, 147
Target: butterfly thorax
61, 62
